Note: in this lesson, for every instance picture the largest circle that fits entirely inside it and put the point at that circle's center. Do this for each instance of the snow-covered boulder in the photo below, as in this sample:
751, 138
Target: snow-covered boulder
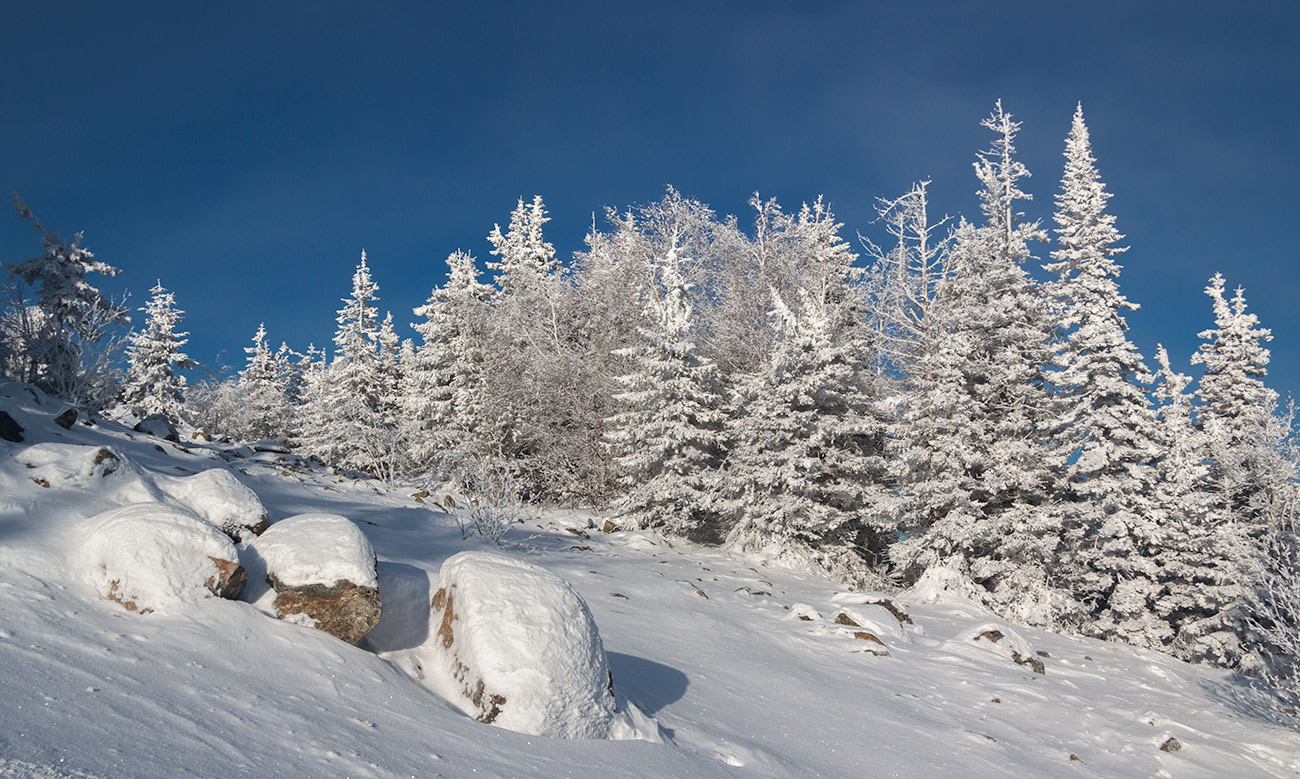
515, 646
158, 426
322, 569
153, 557
220, 498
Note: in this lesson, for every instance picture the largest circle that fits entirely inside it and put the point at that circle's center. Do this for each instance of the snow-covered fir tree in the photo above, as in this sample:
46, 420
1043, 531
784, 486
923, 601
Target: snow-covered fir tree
525, 258
443, 387
805, 465
344, 418
1195, 570
1106, 432
669, 439
1247, 469
265, 412
154, 384
1235, 402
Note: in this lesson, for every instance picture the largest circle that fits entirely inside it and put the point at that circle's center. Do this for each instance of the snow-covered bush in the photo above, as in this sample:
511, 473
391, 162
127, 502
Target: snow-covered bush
151, 557
491, 499
515, 646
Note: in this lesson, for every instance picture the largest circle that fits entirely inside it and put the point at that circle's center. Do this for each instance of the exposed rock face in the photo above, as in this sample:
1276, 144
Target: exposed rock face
158, 426
342, 609
9, 429
230, 580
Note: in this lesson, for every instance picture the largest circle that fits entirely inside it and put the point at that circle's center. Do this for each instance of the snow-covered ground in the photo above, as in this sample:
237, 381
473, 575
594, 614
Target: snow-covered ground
743, 669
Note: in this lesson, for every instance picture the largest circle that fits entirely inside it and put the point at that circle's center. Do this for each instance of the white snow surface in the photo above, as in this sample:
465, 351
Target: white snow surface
737, 683
530, 638
317, 548
217, 496
152, 556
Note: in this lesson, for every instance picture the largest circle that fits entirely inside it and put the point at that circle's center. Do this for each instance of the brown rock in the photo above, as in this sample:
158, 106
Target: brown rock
993, 636
609, 527
229, 581
1033, 662
442, 601
888, 605
342, 609
1171, 745
845, 619
859, 634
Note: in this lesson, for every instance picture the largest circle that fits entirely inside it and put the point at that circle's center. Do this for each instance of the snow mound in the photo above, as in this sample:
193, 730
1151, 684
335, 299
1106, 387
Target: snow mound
870, 618
88, 469
317, 549
943, 585
517, 647
68, 465
1000, 639
151, 557
220, 498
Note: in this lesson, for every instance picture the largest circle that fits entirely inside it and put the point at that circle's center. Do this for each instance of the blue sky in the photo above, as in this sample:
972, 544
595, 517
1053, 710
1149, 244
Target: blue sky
245, 153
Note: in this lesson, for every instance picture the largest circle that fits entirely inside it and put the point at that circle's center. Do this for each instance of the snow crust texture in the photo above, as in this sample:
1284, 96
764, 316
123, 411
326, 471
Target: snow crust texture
522, 647
151, 557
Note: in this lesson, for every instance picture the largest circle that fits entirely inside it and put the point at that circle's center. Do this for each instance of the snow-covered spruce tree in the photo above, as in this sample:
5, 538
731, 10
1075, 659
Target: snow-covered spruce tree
1247, 468
343, 419
805, 466
1235, 404
1195, 569
153, 383
614, 282
265, 411
525, 337
1106, 432
69, 351
669, 439
986, 396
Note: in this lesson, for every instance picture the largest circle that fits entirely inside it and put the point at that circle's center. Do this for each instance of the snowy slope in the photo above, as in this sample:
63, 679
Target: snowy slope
710, 647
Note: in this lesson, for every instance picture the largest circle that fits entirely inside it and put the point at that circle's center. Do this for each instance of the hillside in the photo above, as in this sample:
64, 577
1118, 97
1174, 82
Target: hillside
742, 668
